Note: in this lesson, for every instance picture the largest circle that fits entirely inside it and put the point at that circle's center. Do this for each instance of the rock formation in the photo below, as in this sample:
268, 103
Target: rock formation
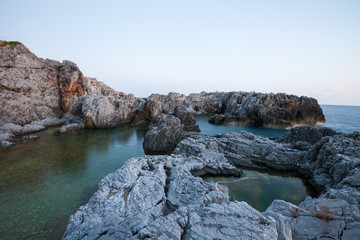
165, 132
33, 89
163, 197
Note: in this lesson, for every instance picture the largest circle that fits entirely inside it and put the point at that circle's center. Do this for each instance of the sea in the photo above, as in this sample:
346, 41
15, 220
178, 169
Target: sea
44, 181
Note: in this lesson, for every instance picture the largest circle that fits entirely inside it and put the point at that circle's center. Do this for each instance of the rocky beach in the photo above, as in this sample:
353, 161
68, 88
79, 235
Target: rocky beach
165, 196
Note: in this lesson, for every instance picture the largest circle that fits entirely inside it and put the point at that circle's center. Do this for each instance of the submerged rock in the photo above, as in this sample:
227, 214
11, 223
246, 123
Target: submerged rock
162, 197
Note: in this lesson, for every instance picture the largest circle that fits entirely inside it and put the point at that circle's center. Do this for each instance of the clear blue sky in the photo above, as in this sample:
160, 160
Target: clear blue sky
305, 47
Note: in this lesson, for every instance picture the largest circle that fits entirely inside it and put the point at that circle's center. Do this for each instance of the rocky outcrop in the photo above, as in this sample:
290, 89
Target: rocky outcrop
32, 89
11, 133
164, 133
184, 116
247, 108
163, 197
29, 86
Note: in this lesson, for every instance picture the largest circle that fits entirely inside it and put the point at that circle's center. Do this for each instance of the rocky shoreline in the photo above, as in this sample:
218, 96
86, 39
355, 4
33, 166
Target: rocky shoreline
164, 197
33, 89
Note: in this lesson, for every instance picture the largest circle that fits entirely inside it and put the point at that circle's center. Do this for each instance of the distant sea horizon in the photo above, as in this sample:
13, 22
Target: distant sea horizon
343, 118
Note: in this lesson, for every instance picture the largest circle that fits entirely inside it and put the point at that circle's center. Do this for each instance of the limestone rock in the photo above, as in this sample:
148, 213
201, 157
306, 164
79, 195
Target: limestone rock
70, 128
106, 112
164, 133
184, 116
247, 108
163, 197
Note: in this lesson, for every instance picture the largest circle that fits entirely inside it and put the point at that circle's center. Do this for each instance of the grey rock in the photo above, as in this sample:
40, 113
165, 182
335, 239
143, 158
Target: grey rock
164, 133
70, 128
184, 116
163, 197
152, 108
248, 108
106, 112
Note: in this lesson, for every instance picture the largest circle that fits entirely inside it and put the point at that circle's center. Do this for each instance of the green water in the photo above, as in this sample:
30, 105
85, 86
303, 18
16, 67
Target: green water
212, 129
256, 188
45, 181
261, 189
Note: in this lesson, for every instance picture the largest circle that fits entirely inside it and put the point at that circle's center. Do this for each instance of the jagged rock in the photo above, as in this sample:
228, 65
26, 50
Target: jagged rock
180, 205
152, 108
222, 119
248, 108
28, 86
70, 128
164, 133
185, 117
106, 112
306, 134
138, 117
32, 89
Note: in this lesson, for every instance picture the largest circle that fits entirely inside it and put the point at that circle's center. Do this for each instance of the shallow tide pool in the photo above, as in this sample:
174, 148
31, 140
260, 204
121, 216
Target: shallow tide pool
44, 181
259, 189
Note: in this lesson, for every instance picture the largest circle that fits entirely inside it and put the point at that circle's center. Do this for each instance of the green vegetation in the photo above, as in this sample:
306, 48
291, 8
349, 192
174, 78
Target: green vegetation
1, 88
4, 43
62, 69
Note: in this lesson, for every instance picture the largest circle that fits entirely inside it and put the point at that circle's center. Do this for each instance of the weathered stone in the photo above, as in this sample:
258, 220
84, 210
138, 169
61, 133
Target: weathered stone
70, 128
180, 205
152, 108
164, 133
184, 116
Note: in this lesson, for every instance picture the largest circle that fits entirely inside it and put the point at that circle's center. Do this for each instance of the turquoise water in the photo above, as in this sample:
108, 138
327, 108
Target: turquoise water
212, 129
260, 189
256, 188
44, 181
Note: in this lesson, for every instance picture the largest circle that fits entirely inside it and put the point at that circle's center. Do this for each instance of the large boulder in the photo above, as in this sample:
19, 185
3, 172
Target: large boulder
184, 116
106, 111
164, 133
32, 89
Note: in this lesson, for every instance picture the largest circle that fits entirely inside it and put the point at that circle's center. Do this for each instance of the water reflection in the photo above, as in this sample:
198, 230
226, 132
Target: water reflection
212, 129
45, 181
261, 189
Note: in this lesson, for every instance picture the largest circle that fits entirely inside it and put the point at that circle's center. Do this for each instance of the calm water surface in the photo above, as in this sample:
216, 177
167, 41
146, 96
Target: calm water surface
261, 189
45, 181
212, 129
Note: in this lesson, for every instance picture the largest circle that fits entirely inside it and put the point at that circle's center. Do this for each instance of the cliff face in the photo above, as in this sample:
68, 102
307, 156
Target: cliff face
32, 89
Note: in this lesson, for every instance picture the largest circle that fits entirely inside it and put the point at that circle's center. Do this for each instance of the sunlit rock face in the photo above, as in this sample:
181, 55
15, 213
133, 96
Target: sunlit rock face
163, 197
32, 88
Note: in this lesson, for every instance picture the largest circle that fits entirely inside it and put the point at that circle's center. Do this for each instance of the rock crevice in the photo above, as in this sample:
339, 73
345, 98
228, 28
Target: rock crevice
203, 210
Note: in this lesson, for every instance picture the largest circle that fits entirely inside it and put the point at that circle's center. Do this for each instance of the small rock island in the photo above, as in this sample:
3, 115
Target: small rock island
164, 196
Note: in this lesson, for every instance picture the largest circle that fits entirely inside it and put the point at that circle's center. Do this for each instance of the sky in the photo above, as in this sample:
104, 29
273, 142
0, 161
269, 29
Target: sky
308, 48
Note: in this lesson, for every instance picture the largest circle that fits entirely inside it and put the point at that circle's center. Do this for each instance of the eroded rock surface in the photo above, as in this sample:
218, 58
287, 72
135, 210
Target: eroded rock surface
33, 89
248, 108
163, 197
165, 132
